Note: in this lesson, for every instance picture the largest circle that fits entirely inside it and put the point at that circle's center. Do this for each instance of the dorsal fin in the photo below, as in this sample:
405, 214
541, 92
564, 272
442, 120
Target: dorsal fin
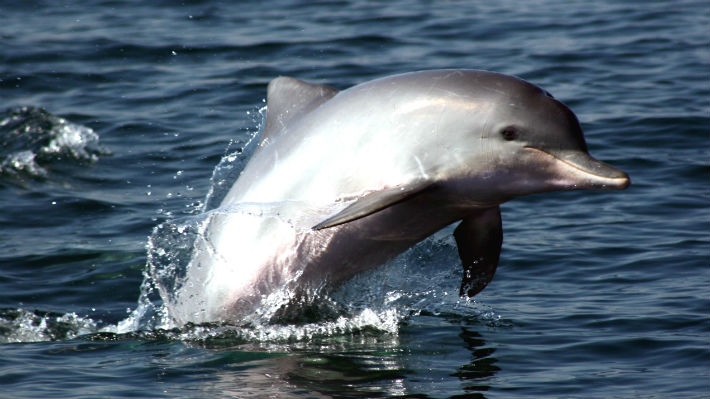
287, 98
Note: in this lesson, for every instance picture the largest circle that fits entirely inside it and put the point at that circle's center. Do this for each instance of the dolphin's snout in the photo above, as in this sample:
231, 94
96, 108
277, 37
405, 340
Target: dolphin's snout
603, 175
579, 170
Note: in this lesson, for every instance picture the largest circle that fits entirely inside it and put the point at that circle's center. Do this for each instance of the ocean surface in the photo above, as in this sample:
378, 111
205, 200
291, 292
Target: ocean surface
120, 117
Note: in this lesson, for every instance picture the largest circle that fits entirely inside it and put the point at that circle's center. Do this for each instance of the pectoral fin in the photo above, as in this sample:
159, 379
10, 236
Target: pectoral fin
374, 202
479, 238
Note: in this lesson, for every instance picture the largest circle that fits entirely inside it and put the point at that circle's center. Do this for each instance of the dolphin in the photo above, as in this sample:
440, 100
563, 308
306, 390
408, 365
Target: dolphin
342, 181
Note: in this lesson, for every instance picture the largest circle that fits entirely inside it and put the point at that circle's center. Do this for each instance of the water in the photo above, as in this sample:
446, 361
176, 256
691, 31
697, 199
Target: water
599, 294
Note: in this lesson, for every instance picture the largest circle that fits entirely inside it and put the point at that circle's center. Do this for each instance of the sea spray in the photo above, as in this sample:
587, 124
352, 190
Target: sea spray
31, 139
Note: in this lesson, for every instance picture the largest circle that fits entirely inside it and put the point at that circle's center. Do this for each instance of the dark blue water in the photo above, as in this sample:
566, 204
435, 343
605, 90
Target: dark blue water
115, 115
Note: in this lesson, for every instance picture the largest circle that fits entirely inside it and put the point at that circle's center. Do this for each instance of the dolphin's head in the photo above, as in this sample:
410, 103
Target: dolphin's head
533, 143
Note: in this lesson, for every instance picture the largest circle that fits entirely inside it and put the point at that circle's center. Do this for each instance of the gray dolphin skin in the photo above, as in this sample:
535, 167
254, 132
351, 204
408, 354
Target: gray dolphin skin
343, 181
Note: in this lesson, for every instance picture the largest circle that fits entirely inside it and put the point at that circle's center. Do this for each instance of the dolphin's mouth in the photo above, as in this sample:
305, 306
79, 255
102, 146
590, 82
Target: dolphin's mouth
579, 170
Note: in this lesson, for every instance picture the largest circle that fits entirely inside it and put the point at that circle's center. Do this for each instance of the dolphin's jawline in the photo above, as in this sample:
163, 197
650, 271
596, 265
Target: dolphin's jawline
597, 180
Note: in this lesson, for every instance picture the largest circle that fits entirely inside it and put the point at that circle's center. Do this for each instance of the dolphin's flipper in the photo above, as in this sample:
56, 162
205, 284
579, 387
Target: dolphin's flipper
289, 98
373, 202
479, 238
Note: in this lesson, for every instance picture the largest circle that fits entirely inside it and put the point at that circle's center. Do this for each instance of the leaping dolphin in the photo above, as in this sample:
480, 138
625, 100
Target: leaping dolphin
342, 181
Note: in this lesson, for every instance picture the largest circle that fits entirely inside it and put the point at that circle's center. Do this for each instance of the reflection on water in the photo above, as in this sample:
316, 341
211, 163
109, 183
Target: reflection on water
482, 365
368, 364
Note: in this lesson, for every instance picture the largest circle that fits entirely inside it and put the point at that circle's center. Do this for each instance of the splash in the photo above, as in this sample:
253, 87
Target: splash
232, 163
21, 325
422, 281
31, 138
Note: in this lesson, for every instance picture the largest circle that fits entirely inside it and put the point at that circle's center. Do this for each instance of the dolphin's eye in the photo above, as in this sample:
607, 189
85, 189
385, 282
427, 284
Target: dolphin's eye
509, 133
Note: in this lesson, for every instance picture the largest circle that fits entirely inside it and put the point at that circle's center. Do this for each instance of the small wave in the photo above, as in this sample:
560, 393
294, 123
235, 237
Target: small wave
31, 138
21, 325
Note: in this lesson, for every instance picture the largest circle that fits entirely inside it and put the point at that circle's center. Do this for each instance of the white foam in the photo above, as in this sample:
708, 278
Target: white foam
33, 137
22, 162
25, 326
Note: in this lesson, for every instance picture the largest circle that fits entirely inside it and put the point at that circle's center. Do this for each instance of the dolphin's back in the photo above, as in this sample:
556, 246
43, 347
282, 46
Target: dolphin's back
312, 148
